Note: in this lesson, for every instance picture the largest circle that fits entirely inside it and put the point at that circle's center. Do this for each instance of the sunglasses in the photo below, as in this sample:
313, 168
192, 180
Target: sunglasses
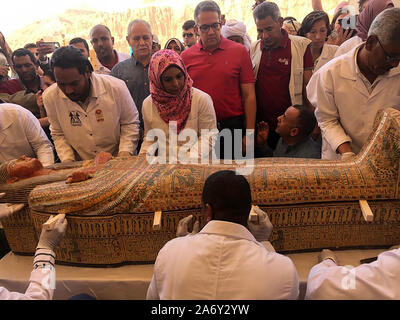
189, 35
389, 59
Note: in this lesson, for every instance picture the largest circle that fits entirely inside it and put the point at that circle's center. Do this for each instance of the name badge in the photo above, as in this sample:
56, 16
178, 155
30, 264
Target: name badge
74, 119
99, 115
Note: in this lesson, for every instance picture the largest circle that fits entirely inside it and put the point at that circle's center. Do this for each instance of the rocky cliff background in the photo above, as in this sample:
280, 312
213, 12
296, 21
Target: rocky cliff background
166, 18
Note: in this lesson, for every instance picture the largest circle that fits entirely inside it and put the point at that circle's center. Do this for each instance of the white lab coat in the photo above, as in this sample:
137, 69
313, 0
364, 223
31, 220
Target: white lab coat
348, 45
21, 134
345, 110
41, 282
371, 281
222, 261
201, 116
110, 123
327, 54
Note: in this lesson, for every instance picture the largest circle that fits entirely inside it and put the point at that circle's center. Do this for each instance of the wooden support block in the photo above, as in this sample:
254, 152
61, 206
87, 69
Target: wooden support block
366, 211
253, 217
49, 224
157, 220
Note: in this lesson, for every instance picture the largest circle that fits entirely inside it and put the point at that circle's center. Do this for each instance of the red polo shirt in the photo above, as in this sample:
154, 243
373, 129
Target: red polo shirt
272, 87
11, 86
220, 74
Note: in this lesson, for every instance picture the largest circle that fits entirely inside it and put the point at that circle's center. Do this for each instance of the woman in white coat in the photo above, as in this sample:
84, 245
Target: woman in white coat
174, 107
315, 27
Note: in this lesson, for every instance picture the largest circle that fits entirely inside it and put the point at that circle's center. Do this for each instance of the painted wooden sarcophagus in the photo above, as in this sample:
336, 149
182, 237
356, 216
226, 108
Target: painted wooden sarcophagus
312, 204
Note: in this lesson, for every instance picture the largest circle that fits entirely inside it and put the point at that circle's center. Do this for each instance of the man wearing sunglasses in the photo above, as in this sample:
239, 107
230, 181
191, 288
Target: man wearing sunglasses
349, 91
188, 35
223, 69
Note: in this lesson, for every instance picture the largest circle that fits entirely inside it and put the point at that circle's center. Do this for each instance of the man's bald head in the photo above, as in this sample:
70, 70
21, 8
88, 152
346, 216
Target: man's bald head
100, 27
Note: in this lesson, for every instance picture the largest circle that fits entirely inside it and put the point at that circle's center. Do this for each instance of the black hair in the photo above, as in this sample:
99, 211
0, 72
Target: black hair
289, 18
189, 24
306, 120
311, 19
23, 52
80, 40
229, 196
70, 57
49, 74
207, 6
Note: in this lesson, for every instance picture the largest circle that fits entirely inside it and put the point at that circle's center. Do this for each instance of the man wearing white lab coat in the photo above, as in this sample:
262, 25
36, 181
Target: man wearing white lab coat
370, 281
89, 113
230, 258
349, 90
22, 135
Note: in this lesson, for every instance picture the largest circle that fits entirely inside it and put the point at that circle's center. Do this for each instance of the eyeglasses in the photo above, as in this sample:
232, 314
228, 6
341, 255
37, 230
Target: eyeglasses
389, 59
189, 35
206, 27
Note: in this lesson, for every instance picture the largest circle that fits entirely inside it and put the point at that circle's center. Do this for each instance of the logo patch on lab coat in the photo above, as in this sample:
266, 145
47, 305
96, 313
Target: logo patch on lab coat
99, 115
74, 119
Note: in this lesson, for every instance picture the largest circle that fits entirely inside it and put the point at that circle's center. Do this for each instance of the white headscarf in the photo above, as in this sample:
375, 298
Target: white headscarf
236, 28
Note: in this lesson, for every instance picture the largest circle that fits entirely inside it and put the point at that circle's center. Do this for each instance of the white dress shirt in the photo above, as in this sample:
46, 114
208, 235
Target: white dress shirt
377, 280
222, 261
346, 103
42, 280
100, 69
327, 54
21, 134
201, 116
110, 122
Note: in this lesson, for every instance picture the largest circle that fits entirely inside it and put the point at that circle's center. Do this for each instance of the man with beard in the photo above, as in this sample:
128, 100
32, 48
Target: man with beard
103, 42
88, 112
26, 66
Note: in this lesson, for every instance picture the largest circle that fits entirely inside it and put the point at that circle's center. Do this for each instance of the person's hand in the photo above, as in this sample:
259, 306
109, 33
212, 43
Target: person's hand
347, 155
316, 133
262, 133
39, 99
43, 51
49, 239
327, 254
8, 209
4, 71
342, 35
123, 154
183, 229
261, 230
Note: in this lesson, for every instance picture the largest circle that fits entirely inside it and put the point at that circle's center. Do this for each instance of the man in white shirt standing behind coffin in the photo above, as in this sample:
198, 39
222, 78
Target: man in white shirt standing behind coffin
230, 258
349, 90
88, 112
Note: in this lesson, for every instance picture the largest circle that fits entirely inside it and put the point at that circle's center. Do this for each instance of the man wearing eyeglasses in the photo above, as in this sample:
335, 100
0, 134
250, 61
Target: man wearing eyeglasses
223, 69
188, 35
351, 89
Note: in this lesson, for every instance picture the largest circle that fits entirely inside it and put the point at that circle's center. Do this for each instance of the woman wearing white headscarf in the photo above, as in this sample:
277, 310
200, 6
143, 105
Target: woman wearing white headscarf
236, 31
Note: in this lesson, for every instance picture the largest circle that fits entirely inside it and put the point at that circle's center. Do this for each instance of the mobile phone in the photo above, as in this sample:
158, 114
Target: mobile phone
54, 45
348, 22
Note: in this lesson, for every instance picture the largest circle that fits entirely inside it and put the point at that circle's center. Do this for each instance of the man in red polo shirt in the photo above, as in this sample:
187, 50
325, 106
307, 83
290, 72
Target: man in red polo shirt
222, 68
282, 66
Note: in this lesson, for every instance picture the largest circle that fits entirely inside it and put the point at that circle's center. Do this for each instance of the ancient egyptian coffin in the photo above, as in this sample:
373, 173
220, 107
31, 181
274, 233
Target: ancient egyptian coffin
312, 204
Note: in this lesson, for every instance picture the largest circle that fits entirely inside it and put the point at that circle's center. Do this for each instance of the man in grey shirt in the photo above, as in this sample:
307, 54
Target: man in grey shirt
294, 127
134, 71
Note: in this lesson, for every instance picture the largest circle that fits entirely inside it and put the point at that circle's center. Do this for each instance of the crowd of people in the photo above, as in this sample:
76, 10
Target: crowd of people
300, 90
